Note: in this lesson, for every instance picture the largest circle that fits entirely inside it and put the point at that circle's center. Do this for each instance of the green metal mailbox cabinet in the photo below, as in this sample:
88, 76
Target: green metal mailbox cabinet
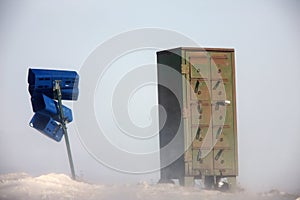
196, 88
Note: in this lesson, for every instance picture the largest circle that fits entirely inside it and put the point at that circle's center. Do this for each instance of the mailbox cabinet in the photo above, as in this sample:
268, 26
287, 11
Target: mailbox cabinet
205, 89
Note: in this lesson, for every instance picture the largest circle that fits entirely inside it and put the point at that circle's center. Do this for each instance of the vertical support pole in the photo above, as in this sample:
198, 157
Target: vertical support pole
57, 89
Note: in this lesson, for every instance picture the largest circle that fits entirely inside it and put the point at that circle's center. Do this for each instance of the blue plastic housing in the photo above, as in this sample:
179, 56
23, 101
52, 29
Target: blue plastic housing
42, 81
67, 94
46, 125
47, 106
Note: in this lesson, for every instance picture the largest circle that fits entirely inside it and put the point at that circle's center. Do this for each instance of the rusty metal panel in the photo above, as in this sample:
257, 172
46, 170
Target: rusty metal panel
202, 135
200, 65
223, 137
221, 66
205, 164
201, 112
224, 161
221, 90
221, 113
200, 89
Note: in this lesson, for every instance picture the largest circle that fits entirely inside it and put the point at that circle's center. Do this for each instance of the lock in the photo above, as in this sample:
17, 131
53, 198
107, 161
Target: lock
219, 154
217, 84
196, 86
198, 133
199, 107
218, 132
199, 155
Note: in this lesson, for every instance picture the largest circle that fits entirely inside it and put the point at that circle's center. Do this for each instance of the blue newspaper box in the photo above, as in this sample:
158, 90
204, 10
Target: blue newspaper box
46, 125
43, 80
66, 94
47, 106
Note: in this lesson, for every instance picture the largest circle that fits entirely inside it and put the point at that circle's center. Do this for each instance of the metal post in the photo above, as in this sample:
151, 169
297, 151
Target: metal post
61, 114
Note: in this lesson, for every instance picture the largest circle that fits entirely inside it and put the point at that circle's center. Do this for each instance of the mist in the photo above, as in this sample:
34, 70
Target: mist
63, 34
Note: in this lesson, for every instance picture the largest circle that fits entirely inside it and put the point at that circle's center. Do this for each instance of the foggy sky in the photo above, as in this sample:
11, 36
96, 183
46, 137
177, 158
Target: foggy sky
61, 34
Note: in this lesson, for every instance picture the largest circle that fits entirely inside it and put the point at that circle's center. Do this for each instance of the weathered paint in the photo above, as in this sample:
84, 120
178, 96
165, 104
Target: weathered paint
211, 90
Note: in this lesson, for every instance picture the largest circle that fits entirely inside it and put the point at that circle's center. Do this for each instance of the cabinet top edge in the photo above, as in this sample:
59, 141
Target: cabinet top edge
199, 49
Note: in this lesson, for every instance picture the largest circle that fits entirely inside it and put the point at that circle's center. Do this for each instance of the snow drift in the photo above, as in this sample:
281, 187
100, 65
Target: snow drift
60, 186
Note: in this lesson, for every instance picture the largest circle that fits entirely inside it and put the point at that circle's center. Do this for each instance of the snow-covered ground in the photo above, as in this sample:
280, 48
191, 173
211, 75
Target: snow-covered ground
60, 186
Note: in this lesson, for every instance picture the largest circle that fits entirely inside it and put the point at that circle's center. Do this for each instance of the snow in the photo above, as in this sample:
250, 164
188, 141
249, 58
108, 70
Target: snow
60, 186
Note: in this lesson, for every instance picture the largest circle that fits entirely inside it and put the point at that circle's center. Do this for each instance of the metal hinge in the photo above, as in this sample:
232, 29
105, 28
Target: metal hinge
185, 113
184, 69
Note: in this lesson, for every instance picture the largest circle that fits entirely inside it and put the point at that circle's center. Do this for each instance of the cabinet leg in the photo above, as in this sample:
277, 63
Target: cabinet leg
189, 181
232, 182
209, 182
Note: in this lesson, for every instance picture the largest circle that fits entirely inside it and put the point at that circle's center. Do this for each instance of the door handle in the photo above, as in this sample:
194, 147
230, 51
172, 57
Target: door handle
199, 107
218, 132
218, 154
217, 84
199, 156
198, 133
222, 103
196, 87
